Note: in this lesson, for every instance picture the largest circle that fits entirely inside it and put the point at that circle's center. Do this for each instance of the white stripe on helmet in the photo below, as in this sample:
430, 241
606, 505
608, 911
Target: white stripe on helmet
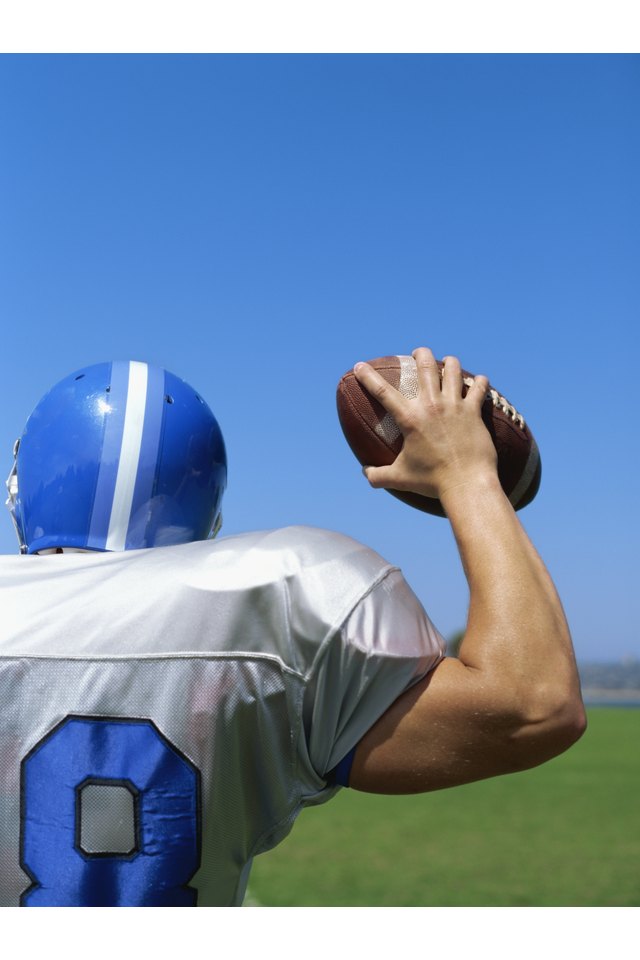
129, 456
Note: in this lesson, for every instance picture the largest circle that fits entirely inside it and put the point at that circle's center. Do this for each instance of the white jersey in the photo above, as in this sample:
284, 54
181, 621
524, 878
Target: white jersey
166, 713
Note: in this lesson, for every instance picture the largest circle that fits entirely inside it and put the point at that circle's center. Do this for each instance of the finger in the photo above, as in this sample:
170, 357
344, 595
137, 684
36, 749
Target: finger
452, 378
478, 390
375, 384
427, 371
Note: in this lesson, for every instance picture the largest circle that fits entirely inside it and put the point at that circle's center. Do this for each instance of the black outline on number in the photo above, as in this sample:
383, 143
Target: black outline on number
108, 782
92, 718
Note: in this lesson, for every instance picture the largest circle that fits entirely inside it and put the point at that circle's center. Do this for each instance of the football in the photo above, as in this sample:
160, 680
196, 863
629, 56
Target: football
376, 440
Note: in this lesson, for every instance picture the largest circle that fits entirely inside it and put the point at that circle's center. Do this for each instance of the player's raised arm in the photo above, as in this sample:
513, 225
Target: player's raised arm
512, 699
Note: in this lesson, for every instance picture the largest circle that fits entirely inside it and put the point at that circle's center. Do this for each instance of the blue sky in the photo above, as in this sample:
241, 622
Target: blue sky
258, 223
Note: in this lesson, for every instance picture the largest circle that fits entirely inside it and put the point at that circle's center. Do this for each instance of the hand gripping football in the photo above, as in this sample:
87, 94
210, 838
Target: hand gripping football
376, 440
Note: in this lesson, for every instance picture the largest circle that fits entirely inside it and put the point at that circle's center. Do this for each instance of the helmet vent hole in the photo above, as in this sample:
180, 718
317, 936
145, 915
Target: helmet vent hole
169, 398
80, 376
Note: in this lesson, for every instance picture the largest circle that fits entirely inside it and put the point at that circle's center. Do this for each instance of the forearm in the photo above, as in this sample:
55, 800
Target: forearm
517, 634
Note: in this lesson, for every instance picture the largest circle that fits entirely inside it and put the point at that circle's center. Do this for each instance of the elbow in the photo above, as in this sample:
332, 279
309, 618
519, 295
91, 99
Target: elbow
566, 723
550, 727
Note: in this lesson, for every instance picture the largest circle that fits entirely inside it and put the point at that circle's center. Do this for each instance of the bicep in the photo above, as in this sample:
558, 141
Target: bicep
446, 730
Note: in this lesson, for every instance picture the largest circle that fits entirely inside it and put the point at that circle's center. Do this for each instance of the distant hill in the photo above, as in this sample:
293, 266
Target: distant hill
611, 682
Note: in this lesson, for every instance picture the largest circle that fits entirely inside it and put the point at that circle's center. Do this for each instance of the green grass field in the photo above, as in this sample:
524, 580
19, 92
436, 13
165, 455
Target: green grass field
564, 834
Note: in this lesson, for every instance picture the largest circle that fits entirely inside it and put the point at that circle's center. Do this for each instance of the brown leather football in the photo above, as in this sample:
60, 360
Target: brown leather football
376, 440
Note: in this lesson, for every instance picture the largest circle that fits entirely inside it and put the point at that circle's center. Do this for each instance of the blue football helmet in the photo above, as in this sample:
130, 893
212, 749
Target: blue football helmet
117, 456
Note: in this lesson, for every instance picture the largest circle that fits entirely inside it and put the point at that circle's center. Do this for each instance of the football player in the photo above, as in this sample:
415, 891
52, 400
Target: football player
171, 702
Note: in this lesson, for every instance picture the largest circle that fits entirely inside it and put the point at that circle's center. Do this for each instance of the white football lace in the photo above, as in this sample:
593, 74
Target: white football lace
501, 402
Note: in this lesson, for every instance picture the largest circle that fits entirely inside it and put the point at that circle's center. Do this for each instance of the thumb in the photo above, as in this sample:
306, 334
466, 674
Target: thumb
378, 477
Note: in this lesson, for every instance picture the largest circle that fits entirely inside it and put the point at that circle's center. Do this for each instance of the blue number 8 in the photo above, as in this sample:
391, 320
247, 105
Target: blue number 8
166, 785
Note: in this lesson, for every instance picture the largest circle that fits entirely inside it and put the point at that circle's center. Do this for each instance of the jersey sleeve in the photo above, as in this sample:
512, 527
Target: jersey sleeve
386, 644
